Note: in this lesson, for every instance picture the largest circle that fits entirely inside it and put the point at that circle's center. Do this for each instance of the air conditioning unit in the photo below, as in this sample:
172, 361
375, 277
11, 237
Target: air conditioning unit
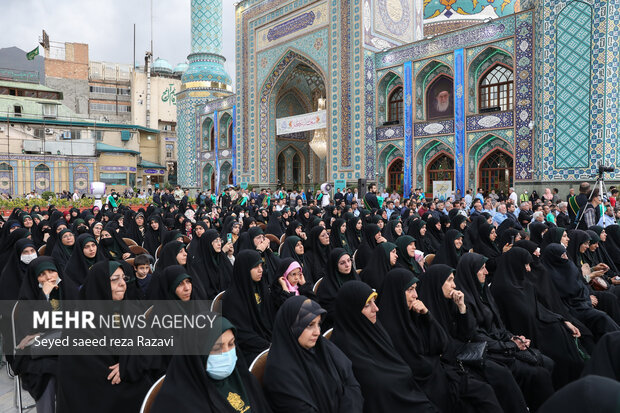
49, 131
1, 129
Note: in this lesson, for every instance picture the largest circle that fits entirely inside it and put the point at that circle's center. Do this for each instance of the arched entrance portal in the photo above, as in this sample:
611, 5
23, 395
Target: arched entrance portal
294, 87
395, 175
440, 168
208, 177
496, 171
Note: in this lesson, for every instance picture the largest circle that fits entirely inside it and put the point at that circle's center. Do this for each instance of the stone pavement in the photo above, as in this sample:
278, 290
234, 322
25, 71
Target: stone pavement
7, 405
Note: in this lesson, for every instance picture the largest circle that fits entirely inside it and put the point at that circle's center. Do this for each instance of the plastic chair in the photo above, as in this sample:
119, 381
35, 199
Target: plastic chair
428, 260
137, 250
216, 304
149, 399
129, 242
316, 285
257, 368
17, 379
41, 251
328, 333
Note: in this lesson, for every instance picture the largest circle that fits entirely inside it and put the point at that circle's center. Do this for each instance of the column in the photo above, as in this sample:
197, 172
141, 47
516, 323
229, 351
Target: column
459, 122
408, 144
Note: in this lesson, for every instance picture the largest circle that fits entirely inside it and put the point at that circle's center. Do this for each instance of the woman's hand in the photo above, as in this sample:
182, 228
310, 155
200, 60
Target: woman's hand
419, 307
26, 340
381, 239
228, 247
507, 247
126, 255
594, 300
459, 299
48, 286
521, 342
115, 375
574, 330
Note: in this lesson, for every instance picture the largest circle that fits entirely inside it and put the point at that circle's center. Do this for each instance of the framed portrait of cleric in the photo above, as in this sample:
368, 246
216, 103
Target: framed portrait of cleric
440, 98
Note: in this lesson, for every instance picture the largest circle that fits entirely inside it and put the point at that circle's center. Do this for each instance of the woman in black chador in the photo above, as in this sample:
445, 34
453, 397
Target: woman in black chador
387, 382
305, 372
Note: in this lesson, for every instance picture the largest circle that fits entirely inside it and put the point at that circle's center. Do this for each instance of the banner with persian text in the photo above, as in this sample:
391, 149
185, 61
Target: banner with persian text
302, 123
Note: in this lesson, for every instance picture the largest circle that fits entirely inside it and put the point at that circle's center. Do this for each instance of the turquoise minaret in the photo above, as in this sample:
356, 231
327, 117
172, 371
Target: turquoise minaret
204, 80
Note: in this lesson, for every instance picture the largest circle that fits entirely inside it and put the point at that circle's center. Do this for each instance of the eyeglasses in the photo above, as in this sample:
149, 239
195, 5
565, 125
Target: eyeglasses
117, 278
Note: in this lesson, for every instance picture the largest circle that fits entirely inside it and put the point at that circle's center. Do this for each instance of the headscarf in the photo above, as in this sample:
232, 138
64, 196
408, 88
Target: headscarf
374, 273
386, 380
404, 260
336, 238
322, 375
362, 256
354, 236
14, 271
248, 305
316, 255
78, 265
214, 269
448, 254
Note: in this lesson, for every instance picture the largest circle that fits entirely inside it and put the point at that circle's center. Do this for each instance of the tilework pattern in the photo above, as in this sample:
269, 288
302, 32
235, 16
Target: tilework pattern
206, 26
490, 120
574, 34
390, 132
369, 114
433, 128
459, 120
408, 86
480, 62
524, 84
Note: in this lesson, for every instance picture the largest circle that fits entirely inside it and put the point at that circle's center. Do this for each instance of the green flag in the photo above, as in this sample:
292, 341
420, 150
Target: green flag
31, 55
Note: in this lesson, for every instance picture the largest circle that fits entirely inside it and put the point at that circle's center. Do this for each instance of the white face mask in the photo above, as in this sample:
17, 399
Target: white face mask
27, 258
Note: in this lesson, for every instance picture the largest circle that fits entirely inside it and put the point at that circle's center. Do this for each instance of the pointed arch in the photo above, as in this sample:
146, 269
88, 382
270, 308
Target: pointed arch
478, 150
225, 131
6, 178
208, 134
496, 171
266, 142
388, 84
208, 177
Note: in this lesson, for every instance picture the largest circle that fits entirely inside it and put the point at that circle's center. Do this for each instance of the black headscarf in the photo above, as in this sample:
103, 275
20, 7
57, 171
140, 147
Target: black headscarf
153, 239
552, 236
113, 248
321, 376
30, 290
536, 231
434, 235
315, 255
78, 265
11, 239
404, 260
247, 304
374, 273
62, 252
386, 380
354, 236
337, 239
214, 269
423, 242
389, 231
566, 277
448, 254
187, 383
591, 393
169, 279
14, 271
577, 237
333, 280
368, 245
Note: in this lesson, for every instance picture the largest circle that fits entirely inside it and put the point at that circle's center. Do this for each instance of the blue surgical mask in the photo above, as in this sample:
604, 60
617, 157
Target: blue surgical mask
220, 366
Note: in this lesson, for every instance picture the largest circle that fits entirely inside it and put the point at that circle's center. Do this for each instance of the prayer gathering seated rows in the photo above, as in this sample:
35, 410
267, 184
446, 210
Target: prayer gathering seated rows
469, 305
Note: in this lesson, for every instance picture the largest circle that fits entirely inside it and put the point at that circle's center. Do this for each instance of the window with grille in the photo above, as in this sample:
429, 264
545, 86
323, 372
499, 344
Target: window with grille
497, 88
442, 169
395, 105
496, 172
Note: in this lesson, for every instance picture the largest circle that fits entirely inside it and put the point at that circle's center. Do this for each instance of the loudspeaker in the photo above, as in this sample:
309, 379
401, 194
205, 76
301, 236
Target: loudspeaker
362, 188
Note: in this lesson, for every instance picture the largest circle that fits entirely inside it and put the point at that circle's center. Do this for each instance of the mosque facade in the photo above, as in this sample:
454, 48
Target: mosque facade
431, 94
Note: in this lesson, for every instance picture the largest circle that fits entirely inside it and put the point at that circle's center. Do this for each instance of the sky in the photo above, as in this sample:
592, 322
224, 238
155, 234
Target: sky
107, 27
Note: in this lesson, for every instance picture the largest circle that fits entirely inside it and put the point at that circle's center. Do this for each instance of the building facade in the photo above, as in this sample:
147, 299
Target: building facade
466, 94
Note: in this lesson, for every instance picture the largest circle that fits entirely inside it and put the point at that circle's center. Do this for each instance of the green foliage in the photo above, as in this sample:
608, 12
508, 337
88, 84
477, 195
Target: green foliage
48, 194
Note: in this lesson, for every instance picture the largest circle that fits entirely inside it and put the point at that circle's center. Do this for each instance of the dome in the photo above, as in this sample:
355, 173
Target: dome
162, 66
180, 68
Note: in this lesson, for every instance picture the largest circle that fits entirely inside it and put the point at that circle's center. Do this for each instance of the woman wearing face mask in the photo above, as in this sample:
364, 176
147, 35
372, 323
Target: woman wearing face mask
247, 303
387, 382
525, 315
451, 249
212, 265
113, 383
14, 271
372, 238
339, 271
302, 359
421, 341
85, 254
383, 259
316, 254
216, 382
38, 374
575, 294
290, 282
112, 246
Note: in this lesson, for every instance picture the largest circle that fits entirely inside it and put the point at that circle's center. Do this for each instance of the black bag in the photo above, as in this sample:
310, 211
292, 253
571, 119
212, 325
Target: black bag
472, 354
530, 356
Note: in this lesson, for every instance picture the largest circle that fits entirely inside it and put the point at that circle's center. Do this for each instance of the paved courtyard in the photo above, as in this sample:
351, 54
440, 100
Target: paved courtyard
7, 405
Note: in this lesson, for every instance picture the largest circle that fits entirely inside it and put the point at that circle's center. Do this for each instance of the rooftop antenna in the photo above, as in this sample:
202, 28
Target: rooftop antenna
151, 27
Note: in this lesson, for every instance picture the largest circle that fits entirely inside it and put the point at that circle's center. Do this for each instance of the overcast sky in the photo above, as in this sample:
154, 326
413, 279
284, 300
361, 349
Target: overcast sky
107, 27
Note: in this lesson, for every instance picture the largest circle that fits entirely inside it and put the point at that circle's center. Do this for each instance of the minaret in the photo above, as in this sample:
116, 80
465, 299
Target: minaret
204, 80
